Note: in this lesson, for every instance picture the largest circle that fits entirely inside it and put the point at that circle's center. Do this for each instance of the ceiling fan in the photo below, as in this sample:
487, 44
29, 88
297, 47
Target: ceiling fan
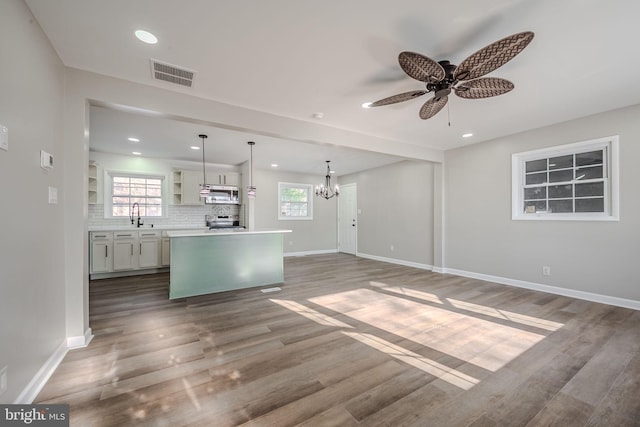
465, 80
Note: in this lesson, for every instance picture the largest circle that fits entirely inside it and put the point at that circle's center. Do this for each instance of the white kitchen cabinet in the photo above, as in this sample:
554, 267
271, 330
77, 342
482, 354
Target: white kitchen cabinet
125, 252
191, 181
225, 178
186, 184
166, 251
101, 252
148, 249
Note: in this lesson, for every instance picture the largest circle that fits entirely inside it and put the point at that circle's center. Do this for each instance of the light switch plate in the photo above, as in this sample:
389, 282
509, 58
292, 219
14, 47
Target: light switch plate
4, 138
53, 195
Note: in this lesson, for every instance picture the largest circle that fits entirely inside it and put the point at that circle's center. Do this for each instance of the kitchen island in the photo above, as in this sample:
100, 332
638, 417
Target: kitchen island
208, 261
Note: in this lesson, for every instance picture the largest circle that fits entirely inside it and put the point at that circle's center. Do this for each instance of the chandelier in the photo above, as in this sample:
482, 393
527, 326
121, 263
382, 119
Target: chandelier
324, 189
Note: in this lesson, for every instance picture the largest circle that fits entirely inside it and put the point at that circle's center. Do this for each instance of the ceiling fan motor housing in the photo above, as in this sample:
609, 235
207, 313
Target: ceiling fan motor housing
443, 87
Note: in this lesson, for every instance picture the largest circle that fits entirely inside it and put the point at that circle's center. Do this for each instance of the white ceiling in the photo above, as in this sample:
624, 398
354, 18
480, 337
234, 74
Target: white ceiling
296, 58
162, 137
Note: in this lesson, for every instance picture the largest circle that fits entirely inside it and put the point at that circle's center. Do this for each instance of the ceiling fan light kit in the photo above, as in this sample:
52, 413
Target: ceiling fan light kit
465, 80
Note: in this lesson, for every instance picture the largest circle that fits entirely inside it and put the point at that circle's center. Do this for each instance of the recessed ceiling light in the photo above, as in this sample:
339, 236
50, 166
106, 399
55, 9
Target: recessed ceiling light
132, 139
366, 104
317, 115
467, 135
274, 165
146, 36
136, 153
195, 147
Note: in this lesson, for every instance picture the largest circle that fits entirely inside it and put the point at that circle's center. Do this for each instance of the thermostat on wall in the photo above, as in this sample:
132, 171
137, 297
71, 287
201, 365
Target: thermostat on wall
46, 160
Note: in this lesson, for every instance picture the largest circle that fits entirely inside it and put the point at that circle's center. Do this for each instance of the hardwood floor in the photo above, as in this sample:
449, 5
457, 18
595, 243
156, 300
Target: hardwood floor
350, 341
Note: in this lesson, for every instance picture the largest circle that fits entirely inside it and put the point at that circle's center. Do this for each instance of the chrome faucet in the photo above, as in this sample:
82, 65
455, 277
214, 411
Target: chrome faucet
133, 207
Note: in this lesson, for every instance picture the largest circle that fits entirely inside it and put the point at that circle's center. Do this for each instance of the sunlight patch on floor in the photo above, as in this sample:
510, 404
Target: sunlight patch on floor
425, 296
311, 314
507, 315
480, 309
489, 345
425, 364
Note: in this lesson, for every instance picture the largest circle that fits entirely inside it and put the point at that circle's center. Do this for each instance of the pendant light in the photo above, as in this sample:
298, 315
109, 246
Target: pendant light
324, 189
251, 190
204, 188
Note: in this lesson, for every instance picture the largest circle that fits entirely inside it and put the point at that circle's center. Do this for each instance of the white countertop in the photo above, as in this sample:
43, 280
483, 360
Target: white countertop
147, 228
222, 232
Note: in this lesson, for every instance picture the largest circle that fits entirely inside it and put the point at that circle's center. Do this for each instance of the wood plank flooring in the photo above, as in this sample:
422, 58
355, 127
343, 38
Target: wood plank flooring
351, 342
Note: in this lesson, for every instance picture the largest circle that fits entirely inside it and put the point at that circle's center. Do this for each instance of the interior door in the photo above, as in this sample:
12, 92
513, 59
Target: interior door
348, 219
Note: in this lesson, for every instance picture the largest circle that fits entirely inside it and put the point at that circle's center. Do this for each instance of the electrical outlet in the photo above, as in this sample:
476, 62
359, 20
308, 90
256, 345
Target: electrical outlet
546, 270
392, 248
3, 379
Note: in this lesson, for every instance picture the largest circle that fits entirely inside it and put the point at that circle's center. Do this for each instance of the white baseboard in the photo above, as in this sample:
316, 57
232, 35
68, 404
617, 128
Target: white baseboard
305, 253
588, 296
41, 377
396, 261
30, 392
80, 341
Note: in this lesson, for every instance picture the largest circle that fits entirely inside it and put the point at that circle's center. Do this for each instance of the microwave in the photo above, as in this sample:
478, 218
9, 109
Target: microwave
223, 195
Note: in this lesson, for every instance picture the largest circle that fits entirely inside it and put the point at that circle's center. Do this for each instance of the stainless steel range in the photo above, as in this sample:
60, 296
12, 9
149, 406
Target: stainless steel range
223, 221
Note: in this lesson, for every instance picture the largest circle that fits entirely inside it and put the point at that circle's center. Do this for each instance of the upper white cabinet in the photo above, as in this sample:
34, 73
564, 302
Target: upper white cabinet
186, 184
186, 187
191, 181
225, 178
93, 183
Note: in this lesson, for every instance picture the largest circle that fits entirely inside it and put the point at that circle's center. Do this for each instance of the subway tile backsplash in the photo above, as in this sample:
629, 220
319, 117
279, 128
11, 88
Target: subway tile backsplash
177, 216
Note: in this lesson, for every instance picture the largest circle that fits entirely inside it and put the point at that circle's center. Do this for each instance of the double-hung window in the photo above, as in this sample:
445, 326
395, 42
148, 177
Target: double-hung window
295, 201
127, 189
569, 182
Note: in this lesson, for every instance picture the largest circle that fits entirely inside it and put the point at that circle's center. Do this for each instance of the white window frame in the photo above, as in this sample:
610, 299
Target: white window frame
108, 191
308, 188
611, 212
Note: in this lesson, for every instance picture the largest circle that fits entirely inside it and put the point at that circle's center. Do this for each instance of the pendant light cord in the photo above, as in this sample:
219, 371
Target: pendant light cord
204, 170
251, 165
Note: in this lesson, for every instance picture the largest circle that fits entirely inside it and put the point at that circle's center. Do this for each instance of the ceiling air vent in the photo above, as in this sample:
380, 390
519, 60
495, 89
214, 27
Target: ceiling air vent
171, 73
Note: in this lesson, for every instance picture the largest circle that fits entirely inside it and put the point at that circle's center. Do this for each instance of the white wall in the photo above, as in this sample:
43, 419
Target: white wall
317, 235
32, 277
396, 204
592, 257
